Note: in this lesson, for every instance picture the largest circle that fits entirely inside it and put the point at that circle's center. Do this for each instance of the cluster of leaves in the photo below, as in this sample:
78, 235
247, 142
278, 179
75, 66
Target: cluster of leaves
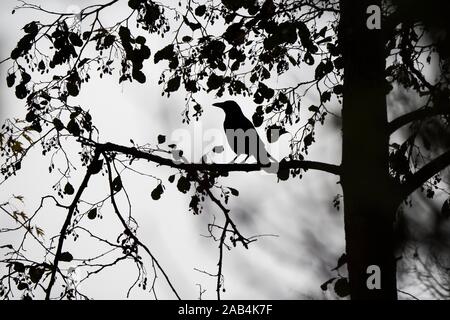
150, 16
241, 60
135, 55
339, 283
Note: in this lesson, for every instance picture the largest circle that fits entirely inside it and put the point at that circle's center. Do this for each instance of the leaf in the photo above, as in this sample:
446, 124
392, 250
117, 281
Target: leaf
341, 261
161, 139
72, 88
194, 204
165, 53
283, 174
10, 79
445, 211
139, 76
92, 214
234, 192
58, 124
117, 184
235, 35
75, 39
31, 27
214, 82
21, 91
134, 4
314, 108
342, 287
308, 139
68, 189
308, 58
200, 10
326, 96
257, 119
22, 286
66, 257
183, 185
173, 84
19, 267
338, 89
73, 128
324, 286
141, 40
35, 273
157, 192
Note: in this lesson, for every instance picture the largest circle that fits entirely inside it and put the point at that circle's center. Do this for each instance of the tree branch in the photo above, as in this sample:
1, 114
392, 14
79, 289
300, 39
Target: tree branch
419, 114
66, 224
426, 172
218, 167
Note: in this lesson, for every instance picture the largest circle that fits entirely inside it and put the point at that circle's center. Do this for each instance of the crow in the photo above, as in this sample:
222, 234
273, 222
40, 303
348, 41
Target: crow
241, 134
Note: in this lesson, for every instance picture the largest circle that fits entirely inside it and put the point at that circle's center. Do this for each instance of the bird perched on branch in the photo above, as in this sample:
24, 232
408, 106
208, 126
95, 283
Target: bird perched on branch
241, 134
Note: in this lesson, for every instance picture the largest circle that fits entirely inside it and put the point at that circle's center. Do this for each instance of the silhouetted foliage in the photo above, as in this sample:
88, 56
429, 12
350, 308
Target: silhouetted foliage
221, 48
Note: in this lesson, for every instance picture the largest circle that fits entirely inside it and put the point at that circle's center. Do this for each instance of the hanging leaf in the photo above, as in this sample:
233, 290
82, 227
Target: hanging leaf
324, 286
22, 286
66, 257
183, 185
161, 139
35, 273
157, 192
58, 124
234, 192
342, 287
173, 84
92, 214
117, 184
10, 79
200, 10
68, 189
283, 174
19, 267
73, 128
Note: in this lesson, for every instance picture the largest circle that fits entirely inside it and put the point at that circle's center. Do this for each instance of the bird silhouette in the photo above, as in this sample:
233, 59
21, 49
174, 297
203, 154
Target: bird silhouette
241, 133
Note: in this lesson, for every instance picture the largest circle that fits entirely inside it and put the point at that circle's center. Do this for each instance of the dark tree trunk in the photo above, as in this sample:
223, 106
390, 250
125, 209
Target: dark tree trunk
369, 199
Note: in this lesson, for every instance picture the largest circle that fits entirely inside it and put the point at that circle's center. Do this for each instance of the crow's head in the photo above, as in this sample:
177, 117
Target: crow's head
228, 105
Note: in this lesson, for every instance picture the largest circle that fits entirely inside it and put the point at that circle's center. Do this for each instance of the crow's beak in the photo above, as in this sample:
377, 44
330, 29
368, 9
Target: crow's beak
218, 104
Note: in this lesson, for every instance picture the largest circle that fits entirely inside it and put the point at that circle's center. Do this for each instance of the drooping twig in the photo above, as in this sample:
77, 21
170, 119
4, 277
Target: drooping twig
66, 224
131, 234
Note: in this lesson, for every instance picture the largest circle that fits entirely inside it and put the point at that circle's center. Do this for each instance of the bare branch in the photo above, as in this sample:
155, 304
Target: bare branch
419, 114
426, 172
66, 224
131, 234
